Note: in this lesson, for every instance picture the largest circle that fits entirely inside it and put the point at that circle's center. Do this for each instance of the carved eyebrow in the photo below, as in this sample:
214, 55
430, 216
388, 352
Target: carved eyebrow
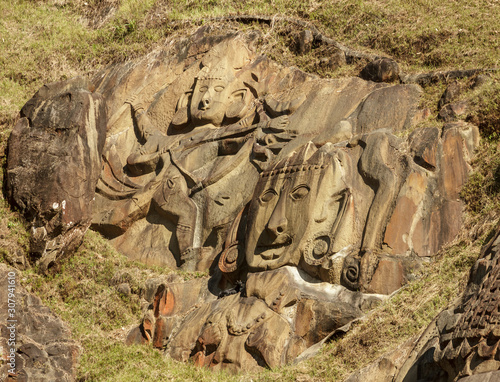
268, 195
299, 192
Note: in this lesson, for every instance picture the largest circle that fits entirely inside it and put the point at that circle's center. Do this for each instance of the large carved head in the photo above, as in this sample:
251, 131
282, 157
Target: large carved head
301, 212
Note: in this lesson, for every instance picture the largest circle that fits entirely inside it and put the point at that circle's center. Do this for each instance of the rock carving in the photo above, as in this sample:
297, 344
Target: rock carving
226, 125
306, 200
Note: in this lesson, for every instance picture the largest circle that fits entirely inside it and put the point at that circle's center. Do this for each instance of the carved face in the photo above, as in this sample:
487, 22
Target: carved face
244, 335
210, 101
296, 216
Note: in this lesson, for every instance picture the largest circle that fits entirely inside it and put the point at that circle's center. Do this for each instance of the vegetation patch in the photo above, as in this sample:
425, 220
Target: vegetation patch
485, 113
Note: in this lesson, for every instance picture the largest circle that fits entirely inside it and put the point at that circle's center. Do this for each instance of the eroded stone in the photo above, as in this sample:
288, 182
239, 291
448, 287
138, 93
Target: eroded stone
54, 163
305, 199
43, 348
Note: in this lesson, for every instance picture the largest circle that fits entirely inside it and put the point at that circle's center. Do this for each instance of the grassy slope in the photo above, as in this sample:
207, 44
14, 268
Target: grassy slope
43, 41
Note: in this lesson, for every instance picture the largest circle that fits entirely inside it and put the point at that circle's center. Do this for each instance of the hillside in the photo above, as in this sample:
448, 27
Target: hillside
47, 41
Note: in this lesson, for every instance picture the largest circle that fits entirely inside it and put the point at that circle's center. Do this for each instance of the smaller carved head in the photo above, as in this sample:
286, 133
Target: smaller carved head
218, 93
301, 212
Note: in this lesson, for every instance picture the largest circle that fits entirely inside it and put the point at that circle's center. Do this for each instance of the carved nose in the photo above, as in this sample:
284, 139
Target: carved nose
277, 226
205, 100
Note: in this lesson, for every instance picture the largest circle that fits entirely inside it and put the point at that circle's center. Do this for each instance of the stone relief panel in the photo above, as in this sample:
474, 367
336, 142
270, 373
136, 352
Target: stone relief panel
306, 200
338, 213
306, 211
189, 180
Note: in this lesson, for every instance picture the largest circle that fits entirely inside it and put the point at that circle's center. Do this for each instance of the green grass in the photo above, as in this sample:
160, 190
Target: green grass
51, 40
84, 294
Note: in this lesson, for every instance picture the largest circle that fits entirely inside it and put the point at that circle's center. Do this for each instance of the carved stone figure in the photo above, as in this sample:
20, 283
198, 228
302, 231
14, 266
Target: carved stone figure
330, 220
303, 212
223, 124
321, 196
278, 317
291, 220
233, 333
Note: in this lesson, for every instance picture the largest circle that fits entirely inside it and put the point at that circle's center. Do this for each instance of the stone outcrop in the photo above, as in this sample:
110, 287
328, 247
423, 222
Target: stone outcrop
54, 162
461, 343
307, 200
275, 317
201, 132
35, 344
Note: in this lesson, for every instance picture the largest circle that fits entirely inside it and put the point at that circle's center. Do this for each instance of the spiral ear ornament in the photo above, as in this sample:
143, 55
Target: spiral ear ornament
228, 261
318, 248
350, 273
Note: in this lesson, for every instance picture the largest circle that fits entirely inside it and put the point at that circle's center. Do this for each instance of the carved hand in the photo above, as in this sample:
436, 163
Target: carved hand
137, 105
163, 150
279, 124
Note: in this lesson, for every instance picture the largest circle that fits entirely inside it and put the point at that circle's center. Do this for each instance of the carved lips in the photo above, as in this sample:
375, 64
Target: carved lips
274, 250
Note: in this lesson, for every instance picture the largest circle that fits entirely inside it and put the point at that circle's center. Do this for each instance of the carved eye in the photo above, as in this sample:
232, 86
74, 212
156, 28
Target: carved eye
299, 192
268, 195
219, 88
170, 184
203, 89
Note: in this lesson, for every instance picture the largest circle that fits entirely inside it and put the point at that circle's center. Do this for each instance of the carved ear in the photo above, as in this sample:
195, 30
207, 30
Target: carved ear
181, 116
238, 104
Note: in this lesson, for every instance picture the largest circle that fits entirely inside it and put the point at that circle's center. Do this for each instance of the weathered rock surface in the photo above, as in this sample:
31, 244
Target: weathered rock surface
283, 306
491, 376
450, 112
41, 342
306, 199
305, 41
451, 93
461, 343
54, 162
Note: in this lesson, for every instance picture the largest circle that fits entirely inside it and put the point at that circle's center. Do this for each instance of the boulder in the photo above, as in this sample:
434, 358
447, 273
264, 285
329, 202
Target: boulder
450, 112
451, 93
381, 70
305, 40
54, 162
35, 342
